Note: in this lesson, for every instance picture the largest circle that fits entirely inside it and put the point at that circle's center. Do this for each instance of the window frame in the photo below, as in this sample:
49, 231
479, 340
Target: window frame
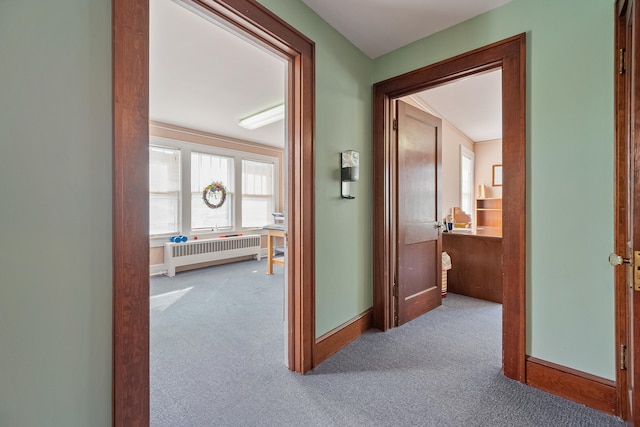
237, 157
245, 195
179, 190
469, 154
231, 194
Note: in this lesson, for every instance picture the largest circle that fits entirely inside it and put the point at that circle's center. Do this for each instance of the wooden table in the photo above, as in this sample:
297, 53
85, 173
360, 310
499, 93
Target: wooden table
273, 231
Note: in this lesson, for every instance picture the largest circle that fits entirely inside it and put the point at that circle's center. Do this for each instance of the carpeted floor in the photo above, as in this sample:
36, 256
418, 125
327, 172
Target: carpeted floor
217, 342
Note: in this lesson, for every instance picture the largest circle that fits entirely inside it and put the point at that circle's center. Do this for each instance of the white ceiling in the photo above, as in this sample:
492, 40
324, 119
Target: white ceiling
204, 78
473, 105
377, 27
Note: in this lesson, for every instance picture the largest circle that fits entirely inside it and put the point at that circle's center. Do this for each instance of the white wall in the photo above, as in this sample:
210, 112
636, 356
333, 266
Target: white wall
488, 153
55, 213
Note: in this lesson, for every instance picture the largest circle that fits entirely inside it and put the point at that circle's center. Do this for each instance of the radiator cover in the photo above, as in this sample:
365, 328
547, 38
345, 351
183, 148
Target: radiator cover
197, 251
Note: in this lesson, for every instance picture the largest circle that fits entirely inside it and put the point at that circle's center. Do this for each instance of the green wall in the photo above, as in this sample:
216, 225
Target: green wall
55, 213
570, 69
343, 122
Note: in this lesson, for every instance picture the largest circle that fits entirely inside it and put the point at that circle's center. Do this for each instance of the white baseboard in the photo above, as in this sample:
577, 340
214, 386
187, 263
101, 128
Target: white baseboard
157, 269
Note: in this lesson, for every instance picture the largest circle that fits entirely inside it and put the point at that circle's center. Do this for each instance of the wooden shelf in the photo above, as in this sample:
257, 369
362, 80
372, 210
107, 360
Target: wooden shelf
489, 212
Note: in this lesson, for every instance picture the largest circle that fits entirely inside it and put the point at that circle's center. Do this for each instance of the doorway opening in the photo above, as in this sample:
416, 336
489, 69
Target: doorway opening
509, 56
219, 305
470, 189
131, 189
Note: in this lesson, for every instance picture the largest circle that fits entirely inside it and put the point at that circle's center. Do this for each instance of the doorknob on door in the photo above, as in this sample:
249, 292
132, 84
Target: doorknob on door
615, 259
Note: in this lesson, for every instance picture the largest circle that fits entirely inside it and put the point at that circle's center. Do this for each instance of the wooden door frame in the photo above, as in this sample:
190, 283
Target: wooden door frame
508, 54
130, 62
624, 134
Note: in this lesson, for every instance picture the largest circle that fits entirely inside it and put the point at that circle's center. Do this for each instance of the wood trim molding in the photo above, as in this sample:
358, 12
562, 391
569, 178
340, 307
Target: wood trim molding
130, 213
339, 337
164, 130
590, 390
622, 7
508, 54
130, 25
266, 28
621, 231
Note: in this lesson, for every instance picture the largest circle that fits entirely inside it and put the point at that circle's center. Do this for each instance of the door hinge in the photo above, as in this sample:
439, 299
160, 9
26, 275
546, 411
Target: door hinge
621, 55
636, 270
623, 357
395, 124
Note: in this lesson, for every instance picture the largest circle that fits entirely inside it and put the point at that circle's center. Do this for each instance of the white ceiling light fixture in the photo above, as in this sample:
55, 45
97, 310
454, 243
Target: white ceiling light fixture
263, 118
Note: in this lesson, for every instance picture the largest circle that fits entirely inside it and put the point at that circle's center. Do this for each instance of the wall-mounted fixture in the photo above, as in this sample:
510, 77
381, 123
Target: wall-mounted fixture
263, 118
349, 171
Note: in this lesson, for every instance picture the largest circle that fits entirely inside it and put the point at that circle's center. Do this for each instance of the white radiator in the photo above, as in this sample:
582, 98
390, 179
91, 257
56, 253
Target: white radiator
197, 251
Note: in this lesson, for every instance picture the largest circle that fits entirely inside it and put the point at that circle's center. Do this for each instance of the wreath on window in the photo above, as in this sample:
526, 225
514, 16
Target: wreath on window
214, 195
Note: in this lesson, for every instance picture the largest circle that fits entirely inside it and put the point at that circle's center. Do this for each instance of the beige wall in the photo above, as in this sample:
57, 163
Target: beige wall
488, 153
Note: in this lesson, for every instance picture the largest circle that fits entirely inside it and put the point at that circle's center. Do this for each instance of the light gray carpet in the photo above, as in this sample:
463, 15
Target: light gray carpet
217, 360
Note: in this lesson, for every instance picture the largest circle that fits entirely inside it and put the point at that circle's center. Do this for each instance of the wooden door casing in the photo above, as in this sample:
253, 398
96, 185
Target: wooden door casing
130, 23
633, 186
419, 209
510, 55
627, 201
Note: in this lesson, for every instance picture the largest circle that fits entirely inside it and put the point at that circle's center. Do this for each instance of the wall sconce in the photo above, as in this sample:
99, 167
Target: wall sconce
349, 171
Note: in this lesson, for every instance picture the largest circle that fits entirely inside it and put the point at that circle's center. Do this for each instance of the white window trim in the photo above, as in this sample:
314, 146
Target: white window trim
466, 153
165, 235
185, 206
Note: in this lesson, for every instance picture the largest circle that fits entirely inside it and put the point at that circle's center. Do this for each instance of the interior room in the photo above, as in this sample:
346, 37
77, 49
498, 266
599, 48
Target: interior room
217, 193
199, 100
471, 110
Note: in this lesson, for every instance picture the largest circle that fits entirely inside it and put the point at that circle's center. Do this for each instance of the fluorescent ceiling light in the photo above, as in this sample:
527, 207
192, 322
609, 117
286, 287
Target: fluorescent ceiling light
263, 118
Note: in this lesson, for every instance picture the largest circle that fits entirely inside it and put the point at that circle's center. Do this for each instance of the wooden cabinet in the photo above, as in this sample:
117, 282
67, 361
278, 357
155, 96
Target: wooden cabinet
476, 265
489, 213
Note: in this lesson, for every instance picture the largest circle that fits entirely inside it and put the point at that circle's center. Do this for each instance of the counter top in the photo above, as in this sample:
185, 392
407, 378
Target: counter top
477, 232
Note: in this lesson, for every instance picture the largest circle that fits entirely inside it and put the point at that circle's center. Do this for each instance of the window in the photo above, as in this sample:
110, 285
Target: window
164, 190
257, 193
206, 168
467, 160
179, 171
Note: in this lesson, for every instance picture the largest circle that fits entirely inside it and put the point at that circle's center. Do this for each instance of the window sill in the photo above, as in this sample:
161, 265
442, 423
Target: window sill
159, 241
